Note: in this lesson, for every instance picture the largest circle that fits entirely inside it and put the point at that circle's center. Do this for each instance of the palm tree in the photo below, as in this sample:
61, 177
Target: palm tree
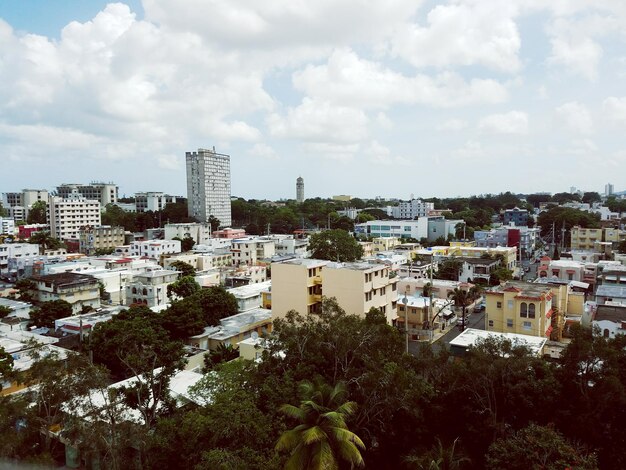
440, 457
322, 438
461, 298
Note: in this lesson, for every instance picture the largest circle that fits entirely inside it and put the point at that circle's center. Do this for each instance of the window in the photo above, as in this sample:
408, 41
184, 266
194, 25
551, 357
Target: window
509, 323
527, 325
531, 311
523, 310
491, 323
509, 304
498, 304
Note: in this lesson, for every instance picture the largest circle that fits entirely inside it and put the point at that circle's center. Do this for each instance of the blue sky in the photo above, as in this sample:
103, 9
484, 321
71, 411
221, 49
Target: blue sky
364, 98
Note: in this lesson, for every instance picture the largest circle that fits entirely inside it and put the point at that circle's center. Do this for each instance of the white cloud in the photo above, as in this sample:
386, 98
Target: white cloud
380, 155
453, 125
169, 162
351, 81
320, 121
576, 117
383, 120
513, 122
463, 33
264, 151
329, 151
615, 108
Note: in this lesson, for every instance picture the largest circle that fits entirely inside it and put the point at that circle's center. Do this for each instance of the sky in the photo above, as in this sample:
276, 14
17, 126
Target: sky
368, 98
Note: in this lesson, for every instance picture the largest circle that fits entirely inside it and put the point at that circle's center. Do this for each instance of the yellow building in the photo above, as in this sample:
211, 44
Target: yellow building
584, 238
385, 243
532, 309
299, 285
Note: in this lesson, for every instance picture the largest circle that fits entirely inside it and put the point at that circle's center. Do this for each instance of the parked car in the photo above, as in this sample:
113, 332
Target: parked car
479, 307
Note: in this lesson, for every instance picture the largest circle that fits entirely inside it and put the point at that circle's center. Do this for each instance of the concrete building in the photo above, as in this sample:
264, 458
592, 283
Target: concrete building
234, 329
410, 210
15, 257
250, 296
154, 248
300, 283
208, 186
477, 270
150, 288
516, 216
509, 236
229, 233
18, 204
79, 290
392, 228
153, 201
532, 309
7, 226
300, 190
67, 215
610, 320
249, 251
609, 189
105, 193
102, 238
473, 337
585, 238
199, 232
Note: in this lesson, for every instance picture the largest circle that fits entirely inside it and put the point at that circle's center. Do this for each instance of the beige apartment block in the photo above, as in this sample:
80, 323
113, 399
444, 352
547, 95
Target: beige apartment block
359, 287
297, 285
584, 238
300, 284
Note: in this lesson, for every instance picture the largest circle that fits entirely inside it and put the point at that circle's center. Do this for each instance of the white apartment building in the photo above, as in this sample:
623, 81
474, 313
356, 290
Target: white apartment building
208, 186
18, 204
409, 210
155, 248
150, 288
16, 256
105, 193
153, 201
7, 226
199, 232
67, 215
250, 250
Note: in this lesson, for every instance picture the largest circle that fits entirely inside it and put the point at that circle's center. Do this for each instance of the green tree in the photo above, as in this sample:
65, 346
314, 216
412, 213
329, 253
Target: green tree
537, 448
183, 287
591, 197
449, 269
322, 438
25, 287
48, 312
440, 457
185, 268
462, 299
223, 353
4, 311
45, 240
216, 303
622, 246
3, 211
6, 364
37, 213
335, 245
214, 222
501, 274
183, 319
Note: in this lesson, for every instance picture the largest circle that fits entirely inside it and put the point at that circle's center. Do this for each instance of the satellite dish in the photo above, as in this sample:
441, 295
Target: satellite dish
254, 335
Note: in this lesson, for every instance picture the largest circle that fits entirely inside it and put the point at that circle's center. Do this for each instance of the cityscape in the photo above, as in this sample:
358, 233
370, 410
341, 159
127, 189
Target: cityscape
326, 236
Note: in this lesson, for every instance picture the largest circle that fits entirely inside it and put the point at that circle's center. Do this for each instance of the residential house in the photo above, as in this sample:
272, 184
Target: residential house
79, 290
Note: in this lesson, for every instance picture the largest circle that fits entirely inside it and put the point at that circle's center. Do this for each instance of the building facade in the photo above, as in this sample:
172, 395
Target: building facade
516, 216
105, 193
150, 288
67, 215
409, 210
208, 186
94, 239
154, 201
15, 257
154, 248
200, 233
300, 190
79, 290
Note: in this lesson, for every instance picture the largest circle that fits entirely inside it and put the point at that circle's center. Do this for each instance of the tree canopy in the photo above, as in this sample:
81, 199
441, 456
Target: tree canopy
335, 245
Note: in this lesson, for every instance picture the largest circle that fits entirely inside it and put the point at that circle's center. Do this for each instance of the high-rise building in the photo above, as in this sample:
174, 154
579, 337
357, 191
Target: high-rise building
300, 190
105, 193
609, 189
67, 215
208, 186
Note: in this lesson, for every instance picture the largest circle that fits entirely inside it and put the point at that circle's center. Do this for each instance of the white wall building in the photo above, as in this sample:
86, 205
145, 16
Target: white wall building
153, 201
208, 186
105, 193
7, 226
154, 248
408, 210
249, 251
67, 215
14, 257
199, 232
150, 288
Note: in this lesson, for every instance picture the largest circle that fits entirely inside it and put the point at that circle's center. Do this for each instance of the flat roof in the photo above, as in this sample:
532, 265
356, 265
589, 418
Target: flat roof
250, 290
523, 288
472, 336
307, 262
611, 291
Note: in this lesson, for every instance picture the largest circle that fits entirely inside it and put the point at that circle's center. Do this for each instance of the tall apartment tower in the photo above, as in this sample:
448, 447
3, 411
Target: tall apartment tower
208, 186
300, 190
608, 189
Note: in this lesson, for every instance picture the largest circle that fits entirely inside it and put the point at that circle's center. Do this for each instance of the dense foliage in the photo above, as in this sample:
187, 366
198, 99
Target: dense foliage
335, 245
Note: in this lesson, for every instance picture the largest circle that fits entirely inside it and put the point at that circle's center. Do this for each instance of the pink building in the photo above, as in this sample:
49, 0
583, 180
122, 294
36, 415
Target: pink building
230, 233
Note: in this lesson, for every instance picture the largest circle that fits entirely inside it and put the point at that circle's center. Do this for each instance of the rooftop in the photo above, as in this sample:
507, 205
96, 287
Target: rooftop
471, 337
524, 289
307, 262
611, 291
66, 279
251, 290
614, 313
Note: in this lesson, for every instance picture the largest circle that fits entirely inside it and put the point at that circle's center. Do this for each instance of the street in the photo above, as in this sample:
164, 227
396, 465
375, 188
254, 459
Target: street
475, 320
